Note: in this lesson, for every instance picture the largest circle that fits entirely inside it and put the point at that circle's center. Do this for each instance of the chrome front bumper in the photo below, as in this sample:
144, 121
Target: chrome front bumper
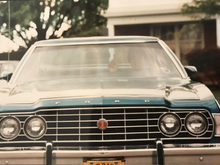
168, 155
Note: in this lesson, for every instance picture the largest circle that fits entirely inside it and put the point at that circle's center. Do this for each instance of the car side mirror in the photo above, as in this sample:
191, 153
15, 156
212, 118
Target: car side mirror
190, 70
6, 75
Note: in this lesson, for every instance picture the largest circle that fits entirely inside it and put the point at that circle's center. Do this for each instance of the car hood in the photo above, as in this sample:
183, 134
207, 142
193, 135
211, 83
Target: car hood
165, 89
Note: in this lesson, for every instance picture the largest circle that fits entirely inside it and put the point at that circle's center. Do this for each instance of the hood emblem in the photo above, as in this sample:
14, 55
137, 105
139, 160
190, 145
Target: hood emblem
102, 124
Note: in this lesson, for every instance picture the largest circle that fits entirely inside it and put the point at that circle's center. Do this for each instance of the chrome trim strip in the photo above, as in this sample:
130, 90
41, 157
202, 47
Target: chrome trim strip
140, 152
95, 121
147, 117
104, 153
30, 142
108, 127
79, 124
96, 141
127, 107
145, 38
96, 114
98, 126
125, 126
57, 126
112, 153
118, 133
177, 152
214, 123
94, 43
217, 104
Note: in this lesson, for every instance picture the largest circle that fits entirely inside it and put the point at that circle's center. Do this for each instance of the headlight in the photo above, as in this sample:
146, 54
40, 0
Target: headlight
35, 127
196, 124
9, 128
169, 124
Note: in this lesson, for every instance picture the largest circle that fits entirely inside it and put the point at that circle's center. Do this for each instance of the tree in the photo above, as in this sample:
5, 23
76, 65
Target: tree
33, 20
206, 60
202, 9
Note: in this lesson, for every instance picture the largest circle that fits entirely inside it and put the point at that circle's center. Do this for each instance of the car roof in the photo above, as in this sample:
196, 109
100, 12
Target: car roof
96, 40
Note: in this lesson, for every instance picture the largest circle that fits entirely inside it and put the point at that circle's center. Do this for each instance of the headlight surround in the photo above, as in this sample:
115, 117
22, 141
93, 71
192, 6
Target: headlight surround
10, 127
35, 127
217, 124
169, 124
196, 124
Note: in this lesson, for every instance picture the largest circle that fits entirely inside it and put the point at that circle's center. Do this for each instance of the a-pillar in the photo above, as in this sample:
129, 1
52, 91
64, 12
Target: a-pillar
218, 31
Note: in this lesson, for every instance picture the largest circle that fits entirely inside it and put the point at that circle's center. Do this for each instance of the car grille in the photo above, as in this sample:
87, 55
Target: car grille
127, 125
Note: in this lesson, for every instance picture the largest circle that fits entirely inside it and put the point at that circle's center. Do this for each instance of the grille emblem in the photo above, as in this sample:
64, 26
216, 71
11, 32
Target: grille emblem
102, 124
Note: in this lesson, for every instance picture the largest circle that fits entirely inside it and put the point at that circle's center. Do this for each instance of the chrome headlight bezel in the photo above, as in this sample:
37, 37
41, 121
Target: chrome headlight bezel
216, 117
201, 133
25, 127
176, 132
18, 124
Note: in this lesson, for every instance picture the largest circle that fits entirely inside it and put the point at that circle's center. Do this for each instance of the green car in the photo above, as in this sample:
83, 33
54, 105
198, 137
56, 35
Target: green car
106, 101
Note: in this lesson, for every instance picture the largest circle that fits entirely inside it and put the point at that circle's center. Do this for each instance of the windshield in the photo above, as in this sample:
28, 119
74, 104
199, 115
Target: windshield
138, 60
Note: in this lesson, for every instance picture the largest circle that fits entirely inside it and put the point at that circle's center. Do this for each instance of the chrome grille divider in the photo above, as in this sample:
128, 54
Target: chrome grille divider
79, 125
102, 130
125, 128
148, 136
57, 119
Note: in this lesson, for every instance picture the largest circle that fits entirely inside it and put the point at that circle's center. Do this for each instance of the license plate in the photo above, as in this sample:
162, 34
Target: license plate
104, 163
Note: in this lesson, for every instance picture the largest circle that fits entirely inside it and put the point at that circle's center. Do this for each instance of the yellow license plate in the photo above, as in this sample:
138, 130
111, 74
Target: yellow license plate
104, 163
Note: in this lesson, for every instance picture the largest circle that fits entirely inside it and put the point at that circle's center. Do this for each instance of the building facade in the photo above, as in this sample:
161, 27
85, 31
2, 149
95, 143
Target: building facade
162, 19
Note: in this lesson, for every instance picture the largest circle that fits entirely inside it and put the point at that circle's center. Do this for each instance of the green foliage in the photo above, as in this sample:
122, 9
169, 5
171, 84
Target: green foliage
46, 17
202, 9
